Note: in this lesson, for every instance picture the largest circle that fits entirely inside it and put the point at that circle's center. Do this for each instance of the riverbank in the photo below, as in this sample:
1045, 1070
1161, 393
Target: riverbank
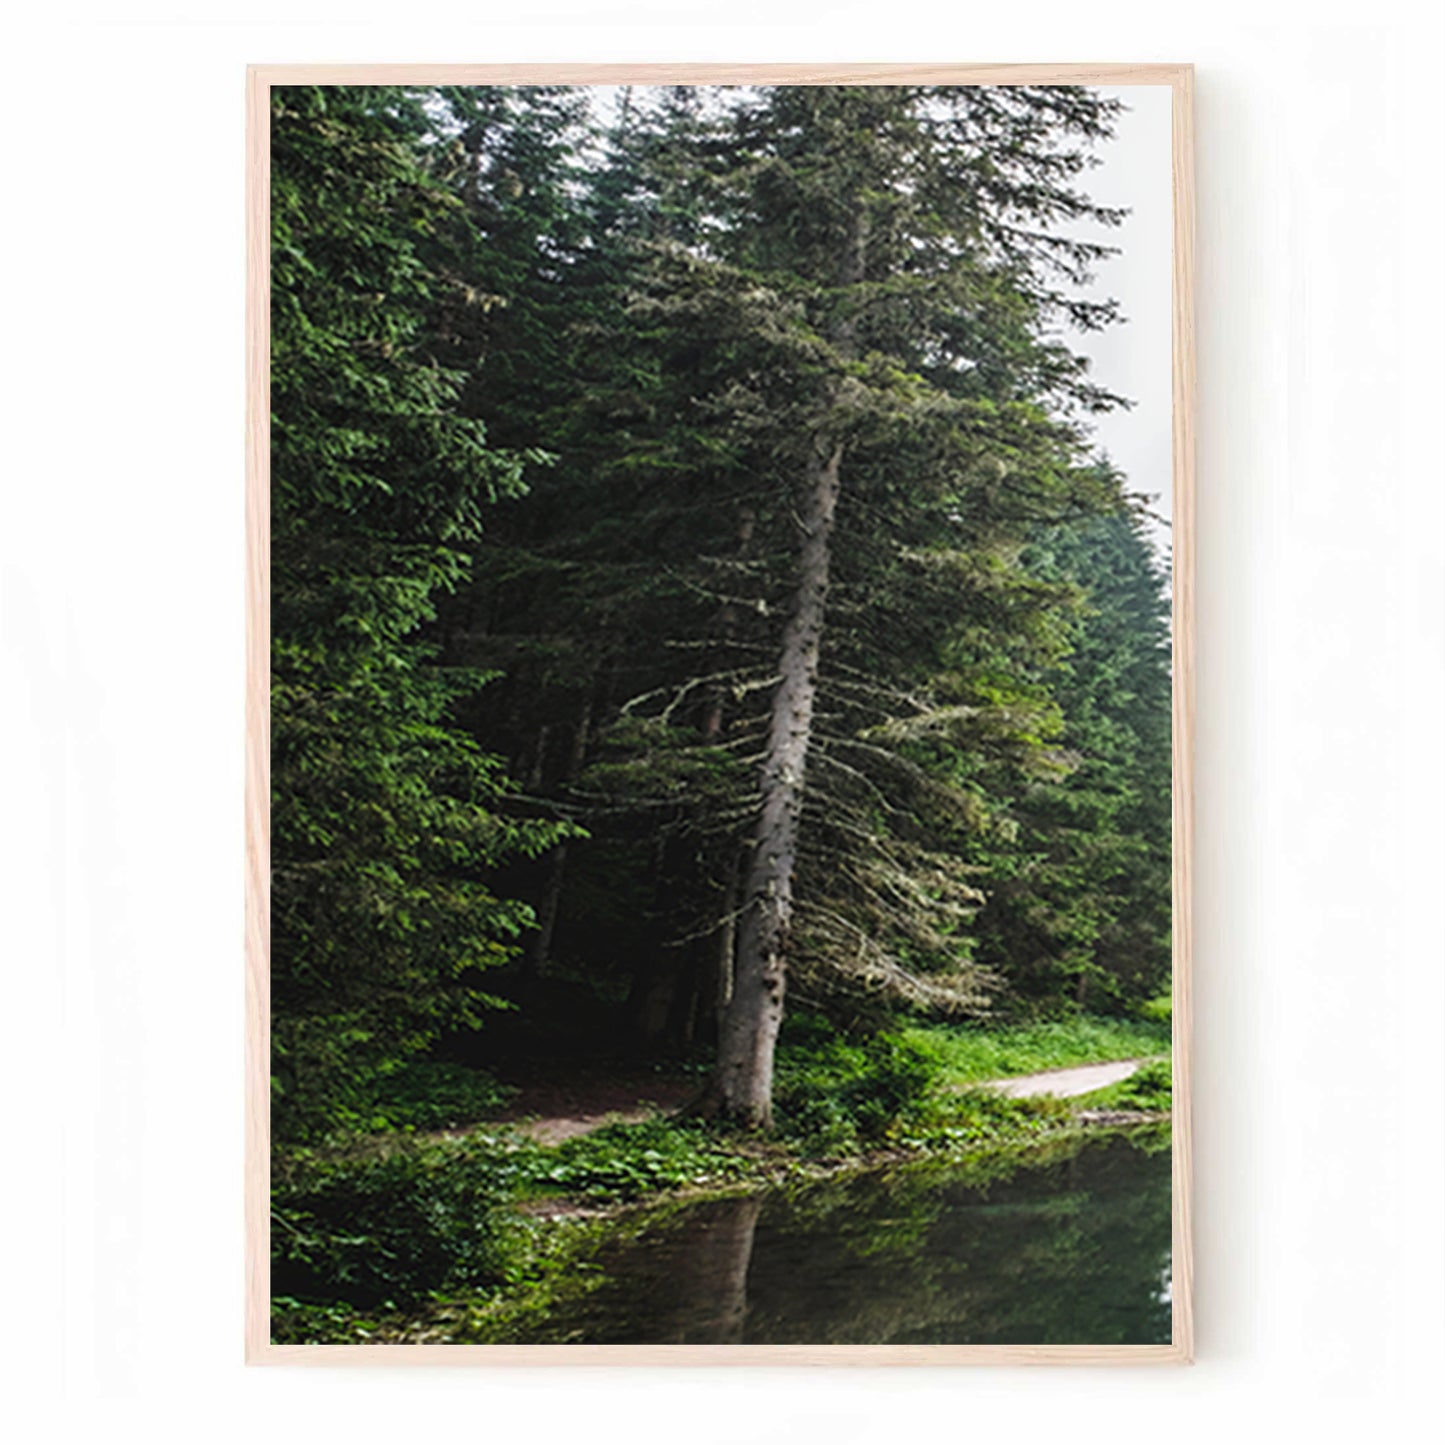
978, 1248
557, 1242
407, 1233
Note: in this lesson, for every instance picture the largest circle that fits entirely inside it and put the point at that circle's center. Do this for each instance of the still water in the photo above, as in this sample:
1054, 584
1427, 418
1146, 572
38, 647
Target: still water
1070, 1252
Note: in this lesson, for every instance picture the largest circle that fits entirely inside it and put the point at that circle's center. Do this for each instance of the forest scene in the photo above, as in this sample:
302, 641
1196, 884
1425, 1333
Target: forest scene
720, 723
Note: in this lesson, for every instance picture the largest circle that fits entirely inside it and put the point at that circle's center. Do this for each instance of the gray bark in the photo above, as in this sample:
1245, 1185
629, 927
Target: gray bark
743, 1085
540, 955
727, 942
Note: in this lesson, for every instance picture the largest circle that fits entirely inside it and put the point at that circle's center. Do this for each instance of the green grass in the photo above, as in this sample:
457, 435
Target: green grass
971, 1055
1148, 1091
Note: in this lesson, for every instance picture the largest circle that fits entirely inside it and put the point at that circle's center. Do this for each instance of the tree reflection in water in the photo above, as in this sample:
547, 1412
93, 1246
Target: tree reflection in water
1072, 1252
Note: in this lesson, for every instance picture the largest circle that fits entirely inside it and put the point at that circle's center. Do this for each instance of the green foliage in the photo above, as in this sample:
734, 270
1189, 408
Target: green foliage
1160, 1008
972, 1054
434, 1094
834, 1093
307, 1322
1148, 1090
386, 1231
387, 821
958, 1121
1078, 880
382, 1230
625, 1161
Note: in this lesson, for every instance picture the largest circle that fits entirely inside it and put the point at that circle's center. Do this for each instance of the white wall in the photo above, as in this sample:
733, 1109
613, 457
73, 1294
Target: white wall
1319, 760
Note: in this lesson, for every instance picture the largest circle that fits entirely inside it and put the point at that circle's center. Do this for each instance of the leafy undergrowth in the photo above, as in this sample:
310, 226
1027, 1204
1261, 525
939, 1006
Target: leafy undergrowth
1149, 1090
624, 1162
434, 1094
970, 1055
838, 1098
835, 1095
381, 1231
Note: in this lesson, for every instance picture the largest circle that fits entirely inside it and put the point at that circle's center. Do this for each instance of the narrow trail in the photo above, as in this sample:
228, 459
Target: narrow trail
552, 1111
1067, 1083
553, 1115
573, 1126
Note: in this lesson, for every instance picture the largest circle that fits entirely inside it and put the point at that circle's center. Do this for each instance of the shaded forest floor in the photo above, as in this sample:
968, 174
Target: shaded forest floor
554, 1105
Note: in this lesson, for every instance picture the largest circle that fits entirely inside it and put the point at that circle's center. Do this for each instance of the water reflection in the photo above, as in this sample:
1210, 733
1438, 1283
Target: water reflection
1073, 1252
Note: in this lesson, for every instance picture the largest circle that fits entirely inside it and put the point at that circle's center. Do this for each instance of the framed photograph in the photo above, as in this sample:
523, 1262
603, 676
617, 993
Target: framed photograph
719, 711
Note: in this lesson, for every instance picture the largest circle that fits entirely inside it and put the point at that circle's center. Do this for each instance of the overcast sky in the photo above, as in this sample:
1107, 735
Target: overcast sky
1135, 359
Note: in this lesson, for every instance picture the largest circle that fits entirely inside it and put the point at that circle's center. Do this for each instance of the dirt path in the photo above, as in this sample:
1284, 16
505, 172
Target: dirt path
553, 1112
572, 1126
1066, 1083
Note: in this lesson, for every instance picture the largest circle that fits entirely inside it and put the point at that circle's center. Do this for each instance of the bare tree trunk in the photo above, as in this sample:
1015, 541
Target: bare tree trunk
727, 940
742, 1087
540, 955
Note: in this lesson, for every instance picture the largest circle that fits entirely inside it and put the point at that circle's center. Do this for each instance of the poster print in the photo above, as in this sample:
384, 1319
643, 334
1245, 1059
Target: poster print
719, 877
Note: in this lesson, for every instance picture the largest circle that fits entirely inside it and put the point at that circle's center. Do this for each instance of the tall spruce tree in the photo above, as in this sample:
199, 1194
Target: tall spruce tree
829, 369
876, 218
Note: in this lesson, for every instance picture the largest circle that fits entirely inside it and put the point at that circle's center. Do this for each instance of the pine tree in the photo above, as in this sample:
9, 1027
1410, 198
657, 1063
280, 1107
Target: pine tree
876, 218
833, 371
384, 820
1077, 868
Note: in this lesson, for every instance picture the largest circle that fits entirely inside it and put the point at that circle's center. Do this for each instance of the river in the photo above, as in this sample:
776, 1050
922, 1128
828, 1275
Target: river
1071, 1251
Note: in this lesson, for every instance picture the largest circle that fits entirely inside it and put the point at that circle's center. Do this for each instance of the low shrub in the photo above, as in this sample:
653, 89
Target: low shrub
973, 1118
435, 1094
385, 1231
304, 1322
833, 1092
1149, 1090
1158, 1010
625, 1161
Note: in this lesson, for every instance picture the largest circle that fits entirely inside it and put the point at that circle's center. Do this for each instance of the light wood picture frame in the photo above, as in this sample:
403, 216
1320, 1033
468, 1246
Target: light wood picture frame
259, 1349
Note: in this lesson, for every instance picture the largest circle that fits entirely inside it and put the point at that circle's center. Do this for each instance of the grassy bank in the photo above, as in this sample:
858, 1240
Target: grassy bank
972, 1055
371, 1236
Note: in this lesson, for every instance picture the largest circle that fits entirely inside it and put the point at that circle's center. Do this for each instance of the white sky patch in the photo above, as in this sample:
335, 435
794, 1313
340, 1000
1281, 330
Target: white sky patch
1135, 359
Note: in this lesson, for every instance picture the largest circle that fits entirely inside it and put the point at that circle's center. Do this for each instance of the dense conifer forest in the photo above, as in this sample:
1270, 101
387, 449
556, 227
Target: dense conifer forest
709, 649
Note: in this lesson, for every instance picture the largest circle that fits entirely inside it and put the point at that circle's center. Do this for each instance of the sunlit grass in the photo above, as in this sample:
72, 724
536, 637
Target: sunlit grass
970, 1055
1149, 1091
